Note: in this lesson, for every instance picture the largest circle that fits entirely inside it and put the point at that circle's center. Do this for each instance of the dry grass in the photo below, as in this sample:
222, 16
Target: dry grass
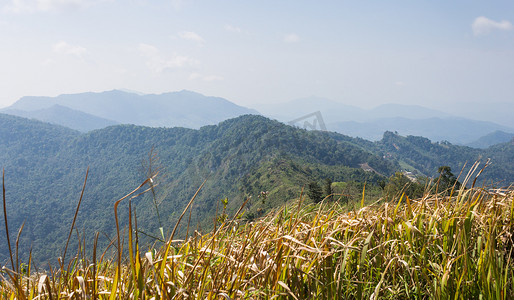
438, 248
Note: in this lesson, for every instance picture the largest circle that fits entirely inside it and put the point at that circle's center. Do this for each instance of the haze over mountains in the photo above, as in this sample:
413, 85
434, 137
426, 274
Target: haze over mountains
176, 109
405, 119
199, 137
497, 112
62, 115
89, 111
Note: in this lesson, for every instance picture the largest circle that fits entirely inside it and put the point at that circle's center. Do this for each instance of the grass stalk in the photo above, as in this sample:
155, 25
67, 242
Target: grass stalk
5, 220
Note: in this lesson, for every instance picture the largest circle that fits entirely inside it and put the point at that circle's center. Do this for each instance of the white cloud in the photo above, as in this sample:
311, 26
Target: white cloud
63, 47
291, 38
30, 6
483, 25
191, 36
158, 63
399, 83
233, 29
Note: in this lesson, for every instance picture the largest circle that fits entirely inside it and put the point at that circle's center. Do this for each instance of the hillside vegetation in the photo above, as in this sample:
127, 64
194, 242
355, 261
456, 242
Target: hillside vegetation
249, 157
45, 167
433, 247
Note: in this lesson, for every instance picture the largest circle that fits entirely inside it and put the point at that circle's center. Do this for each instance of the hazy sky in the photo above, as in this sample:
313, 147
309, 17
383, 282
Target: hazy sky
358, 52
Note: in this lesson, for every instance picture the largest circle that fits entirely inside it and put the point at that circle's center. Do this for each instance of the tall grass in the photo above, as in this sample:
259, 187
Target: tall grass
436, 247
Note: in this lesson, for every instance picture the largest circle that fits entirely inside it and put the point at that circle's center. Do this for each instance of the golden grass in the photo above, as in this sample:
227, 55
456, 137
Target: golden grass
457, 247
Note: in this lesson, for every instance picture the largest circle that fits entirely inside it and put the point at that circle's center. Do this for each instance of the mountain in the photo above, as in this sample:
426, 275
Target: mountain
89, 111
372, 123
334, 112
455, 130
423, 157
492, 111
64, 116
496, 137
45, 167
502, 156
392, 110
176, 109
331, 111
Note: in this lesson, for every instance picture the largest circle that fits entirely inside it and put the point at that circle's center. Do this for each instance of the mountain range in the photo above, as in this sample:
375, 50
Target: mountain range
45, 167
405, 119
98, 110
456, 130
89, 111
62, 115
333, 111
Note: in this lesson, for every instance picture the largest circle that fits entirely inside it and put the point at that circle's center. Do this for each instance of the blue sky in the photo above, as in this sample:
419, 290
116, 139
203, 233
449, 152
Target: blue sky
363, 53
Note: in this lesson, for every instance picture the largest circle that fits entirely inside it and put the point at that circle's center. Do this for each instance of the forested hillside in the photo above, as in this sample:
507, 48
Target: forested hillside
246, 157
423, 157
45, 167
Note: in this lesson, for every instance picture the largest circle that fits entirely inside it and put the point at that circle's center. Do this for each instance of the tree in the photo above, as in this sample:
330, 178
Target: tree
447, 180
328, 189
315, 192
399, 184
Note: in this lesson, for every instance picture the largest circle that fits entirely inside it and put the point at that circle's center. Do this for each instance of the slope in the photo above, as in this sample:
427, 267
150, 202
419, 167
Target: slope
64, 116
493, 138
235, 157
423, 157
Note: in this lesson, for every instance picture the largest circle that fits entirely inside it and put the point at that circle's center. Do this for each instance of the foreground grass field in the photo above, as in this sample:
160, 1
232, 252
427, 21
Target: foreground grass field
436, 247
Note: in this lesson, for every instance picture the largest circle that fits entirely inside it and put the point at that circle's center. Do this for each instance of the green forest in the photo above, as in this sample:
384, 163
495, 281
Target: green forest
249, 157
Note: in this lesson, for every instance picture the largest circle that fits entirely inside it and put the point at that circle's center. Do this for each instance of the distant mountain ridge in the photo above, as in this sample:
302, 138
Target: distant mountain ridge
494, 138
493, 111
174, 109
334, 112
372, 123
89, 111
456, 130
64, 116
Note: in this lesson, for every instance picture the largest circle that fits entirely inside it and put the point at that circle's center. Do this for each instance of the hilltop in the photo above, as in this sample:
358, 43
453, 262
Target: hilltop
46, 164
239, 158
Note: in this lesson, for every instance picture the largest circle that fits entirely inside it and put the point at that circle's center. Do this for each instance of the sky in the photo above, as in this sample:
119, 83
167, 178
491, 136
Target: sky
364, 53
